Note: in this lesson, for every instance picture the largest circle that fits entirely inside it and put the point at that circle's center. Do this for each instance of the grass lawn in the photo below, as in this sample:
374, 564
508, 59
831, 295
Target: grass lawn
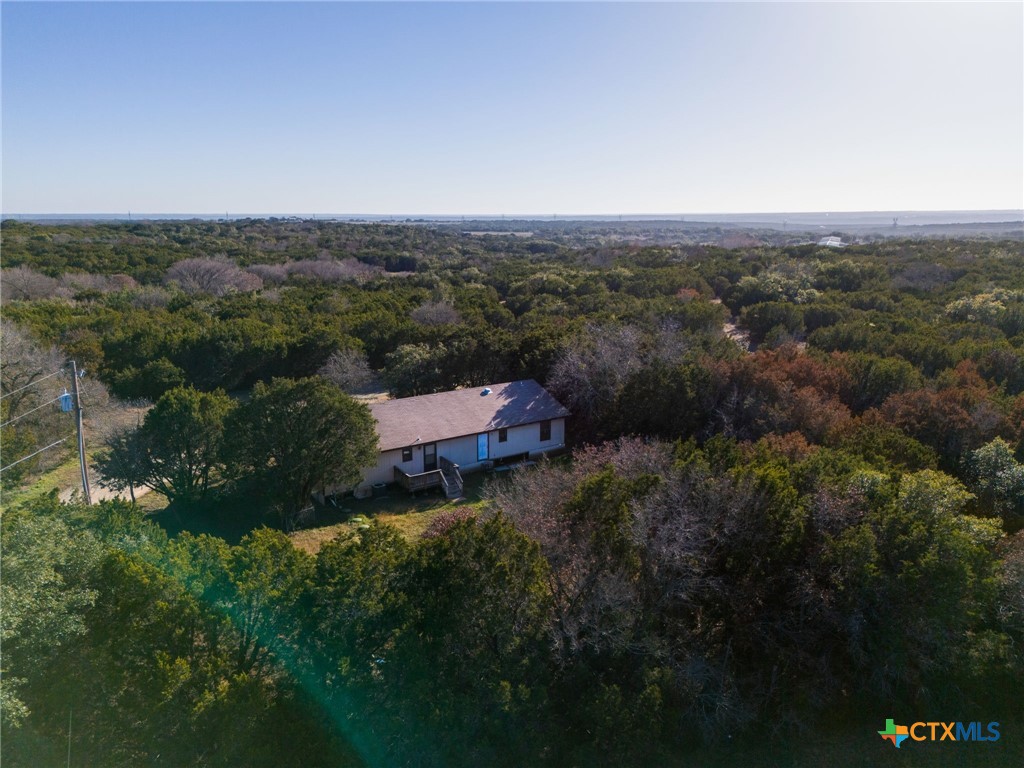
409, 514
61, 477
226, 517
152, 503
233, 519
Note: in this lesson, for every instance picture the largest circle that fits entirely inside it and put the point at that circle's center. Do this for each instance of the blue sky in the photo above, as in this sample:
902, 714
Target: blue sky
491, 108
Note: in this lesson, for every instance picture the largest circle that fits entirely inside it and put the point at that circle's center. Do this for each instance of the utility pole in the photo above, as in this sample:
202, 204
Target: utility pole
81, 436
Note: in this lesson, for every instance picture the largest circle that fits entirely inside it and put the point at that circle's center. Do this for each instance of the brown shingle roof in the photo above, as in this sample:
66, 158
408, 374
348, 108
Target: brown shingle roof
427, 418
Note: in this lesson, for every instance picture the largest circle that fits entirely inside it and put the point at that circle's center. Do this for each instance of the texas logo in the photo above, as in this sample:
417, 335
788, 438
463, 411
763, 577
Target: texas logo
930, 731
894, 733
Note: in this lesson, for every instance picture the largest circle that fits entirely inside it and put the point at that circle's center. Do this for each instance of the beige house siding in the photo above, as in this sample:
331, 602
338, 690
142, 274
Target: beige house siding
384, 472
526, 439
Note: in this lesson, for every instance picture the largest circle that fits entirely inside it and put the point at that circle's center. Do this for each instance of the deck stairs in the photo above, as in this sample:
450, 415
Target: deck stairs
451, 479
447, 476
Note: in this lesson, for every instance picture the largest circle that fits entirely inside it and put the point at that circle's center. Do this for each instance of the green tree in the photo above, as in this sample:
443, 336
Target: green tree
874, 378
122, 462
151, 381
269, 579
295, 436
669, 401
45, 593
886, 447
922, 577
771, 317
998, 479
416, 369
470, 650
182, 437
354, 599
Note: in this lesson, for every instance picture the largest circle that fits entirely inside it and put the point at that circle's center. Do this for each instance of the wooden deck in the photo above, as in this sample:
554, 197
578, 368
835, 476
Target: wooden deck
422, 481
447, 477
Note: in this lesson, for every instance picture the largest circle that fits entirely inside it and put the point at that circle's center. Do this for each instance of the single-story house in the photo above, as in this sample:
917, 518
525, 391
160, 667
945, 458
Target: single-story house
429, 440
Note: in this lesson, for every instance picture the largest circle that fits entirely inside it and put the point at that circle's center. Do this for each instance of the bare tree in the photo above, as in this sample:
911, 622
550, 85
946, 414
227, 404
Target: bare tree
215, 277
346, 270
685, 586
591, 369
1011, 583
77, 282
436, 313
323, 269
150, 297
669, 344
349, 370
25, 284
593, 598
441, 524
270, 274
24, 362
32, 377
104, 413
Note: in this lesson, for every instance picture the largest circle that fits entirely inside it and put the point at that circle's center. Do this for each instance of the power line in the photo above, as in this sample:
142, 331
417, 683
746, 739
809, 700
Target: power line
31, 383
76, 400
83, 390
26, 413
26, 458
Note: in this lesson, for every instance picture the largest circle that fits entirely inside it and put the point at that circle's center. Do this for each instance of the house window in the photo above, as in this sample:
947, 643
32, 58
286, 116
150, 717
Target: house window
502, 435
545, 431
406, 454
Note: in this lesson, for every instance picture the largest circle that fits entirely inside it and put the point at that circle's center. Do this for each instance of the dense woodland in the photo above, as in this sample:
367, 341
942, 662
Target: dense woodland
793, 507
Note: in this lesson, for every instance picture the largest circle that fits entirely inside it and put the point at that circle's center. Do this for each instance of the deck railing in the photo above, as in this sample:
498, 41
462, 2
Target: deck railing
419, 482
447, 476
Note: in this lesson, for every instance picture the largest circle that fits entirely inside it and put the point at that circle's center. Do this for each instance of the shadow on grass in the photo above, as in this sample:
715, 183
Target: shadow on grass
410, 514
231, 515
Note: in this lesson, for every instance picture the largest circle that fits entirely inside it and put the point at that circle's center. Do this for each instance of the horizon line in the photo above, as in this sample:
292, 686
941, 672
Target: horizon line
517, 215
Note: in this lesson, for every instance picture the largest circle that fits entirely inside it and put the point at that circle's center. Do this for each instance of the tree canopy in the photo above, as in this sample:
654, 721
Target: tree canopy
793, 499
299, 436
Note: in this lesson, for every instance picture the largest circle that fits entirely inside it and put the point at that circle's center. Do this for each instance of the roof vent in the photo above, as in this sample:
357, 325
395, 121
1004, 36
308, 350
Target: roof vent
486, 391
